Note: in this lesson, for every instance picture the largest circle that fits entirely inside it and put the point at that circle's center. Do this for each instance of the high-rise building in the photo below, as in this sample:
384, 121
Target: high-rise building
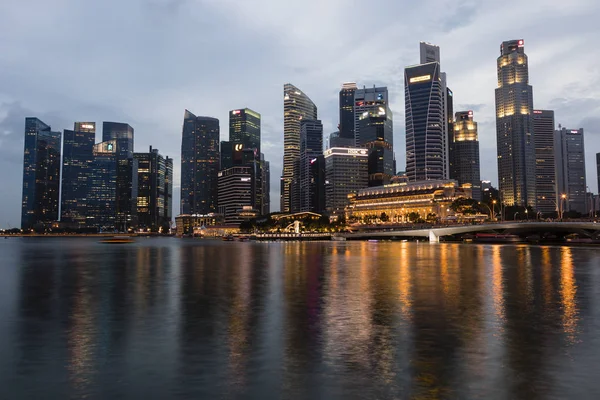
153, 190
545, 163
199, 164
266, 185
244, 128
465, 153
426, 122
78, 147
236, 194
312, 167
514, 126
126, 172
346, 171
296, 106
346, 128
376, 134
101, 204
226, 155
336, 141
367, 100
598, 169
41, 174
570, 162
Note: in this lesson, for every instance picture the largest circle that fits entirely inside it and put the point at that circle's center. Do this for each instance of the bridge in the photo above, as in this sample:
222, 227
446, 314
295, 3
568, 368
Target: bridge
588, 229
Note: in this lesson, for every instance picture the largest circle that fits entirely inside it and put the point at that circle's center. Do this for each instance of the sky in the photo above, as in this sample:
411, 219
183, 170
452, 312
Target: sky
145, 61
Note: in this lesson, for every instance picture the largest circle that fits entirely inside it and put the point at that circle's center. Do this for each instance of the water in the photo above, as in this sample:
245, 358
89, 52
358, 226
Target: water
176, 319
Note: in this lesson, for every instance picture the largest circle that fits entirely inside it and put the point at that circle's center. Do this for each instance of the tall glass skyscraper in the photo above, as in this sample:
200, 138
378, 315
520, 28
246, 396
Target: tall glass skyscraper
425, 122
367, 100
41, 174
101, 207
514, 126
346, 128
244, 128
199, 164
377, 135
465, 153
312, 167
78, 158
296, 106
153, 200
545, 163
570, 161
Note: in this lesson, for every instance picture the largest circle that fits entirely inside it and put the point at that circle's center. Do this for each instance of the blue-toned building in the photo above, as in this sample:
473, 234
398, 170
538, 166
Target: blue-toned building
312, 167
41, 174
101, 204
376, 134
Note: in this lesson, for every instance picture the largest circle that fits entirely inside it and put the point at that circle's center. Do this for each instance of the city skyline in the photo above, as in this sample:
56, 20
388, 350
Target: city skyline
154, 108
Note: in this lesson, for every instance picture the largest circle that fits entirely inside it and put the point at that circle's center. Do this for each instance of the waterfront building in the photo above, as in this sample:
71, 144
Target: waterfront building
514, 127
311, 188
41, 174
77, 161
346, 171
296, 106
425, 199
199, 164
545, 163
570, 162
376, 135
188, 224
236, 200
101, 207
346, 126
368, 100
464, 157
155, 177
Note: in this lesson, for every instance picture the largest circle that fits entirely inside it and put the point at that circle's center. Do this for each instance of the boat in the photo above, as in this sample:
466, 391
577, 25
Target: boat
118, 240
243, 238
227, 238
338, 238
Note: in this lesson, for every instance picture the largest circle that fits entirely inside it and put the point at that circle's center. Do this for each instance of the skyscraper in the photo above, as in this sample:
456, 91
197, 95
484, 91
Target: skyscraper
367, 100
101, 204
598, 169
312, 167
570, 161
376, 134
425, 122
346, 128
199, 164
545, 163
296, 106
465, 153
153, 191
514, 126
126, 172
41, 174
346, 171
236, 194
244, 128
266, 185
78, 147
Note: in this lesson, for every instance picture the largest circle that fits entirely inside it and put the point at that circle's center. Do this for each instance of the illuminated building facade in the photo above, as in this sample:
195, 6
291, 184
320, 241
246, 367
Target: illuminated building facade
244, 128
186, 224
545, 162
155, 177
465, 153
102, 196
376, 135
346, 171
426, 119
399, 200
199, 164
311, 188
236, 188
296, 106
41, 174
514, 126
367, 100
78, 158
570, 161
346, 128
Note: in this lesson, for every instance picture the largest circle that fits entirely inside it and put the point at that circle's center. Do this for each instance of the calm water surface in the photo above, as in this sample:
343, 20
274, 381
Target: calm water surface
176, 319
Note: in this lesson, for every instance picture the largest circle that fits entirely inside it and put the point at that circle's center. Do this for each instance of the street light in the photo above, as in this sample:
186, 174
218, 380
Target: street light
515, 216
527, 214
488, 207
562, 209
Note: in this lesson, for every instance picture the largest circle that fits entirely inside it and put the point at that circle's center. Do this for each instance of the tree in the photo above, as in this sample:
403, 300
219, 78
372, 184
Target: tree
384, 217
431, 218
465, 206
414, 216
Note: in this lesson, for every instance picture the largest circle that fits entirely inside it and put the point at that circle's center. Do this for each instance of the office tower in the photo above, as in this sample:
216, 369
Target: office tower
570, 162
346, 128
41, 174
346, 171
296, 106
312, 167
514, 126
226, 155
153, 190
376, 134
465, 153
126, 172
598, 169
266, 185
244, 128
199, 164
78, 148
425, 122
236, 194
428, 53
169, 190
367, 100
101, 204
545, 163
336, 141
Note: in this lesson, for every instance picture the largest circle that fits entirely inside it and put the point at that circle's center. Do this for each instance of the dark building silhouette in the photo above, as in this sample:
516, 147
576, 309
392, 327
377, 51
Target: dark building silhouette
545, 161
101, 204
376, 134
78, 158
199, 164
312, 167
570, 162
598, 169
226, 155
266, 185
465, 153
155, 177
346, 128
244, 128
41, 174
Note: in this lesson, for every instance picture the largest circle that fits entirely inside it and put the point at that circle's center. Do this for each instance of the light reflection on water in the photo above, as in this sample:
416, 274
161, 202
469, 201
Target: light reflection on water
170, 318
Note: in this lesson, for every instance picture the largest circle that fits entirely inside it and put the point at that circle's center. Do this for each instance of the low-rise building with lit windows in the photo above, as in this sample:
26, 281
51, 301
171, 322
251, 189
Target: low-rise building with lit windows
400, 200
188, 224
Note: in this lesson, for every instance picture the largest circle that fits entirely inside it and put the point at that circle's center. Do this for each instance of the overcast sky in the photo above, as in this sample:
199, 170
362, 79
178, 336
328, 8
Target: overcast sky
145, 61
